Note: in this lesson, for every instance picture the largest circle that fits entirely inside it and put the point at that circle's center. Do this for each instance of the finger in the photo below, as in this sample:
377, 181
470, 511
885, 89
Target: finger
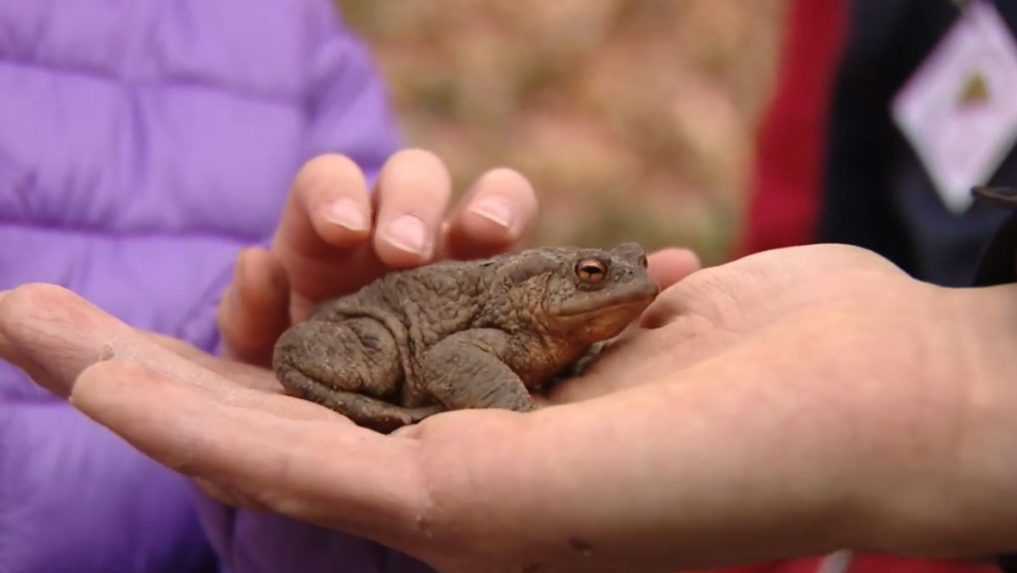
52, 334
6, 348
492, 217
668, 266
319, 470
412, 193
325, 230
225, 495
329, 206
241, 373
255, 309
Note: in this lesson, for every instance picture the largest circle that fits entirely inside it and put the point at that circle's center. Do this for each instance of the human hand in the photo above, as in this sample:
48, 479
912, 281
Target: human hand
237, 549
780, 445
895, 392
318, 253
717, 309
335, 236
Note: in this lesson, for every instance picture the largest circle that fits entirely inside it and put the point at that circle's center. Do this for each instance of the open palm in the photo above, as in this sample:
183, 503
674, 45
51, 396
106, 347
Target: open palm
733, 371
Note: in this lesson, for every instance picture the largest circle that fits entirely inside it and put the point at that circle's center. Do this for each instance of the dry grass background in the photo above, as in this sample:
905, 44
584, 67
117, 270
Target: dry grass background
634, 118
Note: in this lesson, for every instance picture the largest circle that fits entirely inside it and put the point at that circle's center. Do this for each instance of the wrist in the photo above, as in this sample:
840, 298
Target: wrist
948, 487
985, 463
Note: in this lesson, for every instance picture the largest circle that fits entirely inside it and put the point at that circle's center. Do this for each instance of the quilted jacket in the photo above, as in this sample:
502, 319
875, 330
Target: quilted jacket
142, 144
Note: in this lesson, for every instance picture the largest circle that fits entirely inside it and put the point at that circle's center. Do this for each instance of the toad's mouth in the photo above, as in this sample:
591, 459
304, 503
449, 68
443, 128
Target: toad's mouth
629, 298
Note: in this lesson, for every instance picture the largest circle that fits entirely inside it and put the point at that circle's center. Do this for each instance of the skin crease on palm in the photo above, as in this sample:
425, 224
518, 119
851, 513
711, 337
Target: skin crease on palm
785, 404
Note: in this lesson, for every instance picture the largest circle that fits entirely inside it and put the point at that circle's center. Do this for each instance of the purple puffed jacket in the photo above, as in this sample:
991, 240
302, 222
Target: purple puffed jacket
142, 144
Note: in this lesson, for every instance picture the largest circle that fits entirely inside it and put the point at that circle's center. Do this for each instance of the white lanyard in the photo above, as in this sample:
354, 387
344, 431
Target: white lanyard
955, 110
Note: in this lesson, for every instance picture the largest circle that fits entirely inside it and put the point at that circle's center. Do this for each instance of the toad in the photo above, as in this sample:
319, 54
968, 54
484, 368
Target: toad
462, 334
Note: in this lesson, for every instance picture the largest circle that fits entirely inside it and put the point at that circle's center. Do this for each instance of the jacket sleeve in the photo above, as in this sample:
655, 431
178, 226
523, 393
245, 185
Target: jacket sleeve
347, 103
786, 185
75, 497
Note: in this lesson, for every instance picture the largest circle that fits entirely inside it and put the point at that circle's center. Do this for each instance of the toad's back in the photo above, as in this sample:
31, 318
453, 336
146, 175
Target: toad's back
422, 306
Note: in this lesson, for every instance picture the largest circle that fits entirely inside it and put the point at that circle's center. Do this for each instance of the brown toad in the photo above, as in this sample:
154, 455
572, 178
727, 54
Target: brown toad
453, 335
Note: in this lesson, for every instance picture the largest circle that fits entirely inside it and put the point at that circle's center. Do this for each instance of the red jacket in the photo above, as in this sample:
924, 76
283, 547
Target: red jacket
787, 174
785, 200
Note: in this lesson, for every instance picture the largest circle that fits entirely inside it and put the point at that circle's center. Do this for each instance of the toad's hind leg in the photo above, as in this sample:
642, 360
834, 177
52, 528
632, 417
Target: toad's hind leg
351, 366
363, 410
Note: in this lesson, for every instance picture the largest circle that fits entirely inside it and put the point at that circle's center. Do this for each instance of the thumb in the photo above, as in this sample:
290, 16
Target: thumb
668, 266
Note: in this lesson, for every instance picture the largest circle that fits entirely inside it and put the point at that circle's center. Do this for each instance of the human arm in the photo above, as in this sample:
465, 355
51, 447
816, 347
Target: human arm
858, 409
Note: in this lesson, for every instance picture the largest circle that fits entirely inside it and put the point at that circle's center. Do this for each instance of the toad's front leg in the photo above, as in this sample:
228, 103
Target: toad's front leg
465, 371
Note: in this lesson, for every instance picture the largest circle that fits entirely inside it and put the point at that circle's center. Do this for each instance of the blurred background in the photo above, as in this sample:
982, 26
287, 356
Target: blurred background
635, 120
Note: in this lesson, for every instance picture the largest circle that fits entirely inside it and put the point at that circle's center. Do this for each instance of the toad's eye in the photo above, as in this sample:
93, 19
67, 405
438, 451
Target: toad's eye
591, 271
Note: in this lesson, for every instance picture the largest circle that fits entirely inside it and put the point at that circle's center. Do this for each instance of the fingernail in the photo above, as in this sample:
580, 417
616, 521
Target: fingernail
494, 209
409, 234
345, 213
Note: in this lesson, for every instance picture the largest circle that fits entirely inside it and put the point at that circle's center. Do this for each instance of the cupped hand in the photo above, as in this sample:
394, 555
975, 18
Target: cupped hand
335, 235
718, 308
757, 426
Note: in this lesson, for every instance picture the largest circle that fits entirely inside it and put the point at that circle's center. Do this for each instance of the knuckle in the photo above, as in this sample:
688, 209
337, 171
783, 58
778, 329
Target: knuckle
38, 302
327, 162
49, 316
511, 186
322, 172
40, 293
506, 179
416, 155
418, 175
